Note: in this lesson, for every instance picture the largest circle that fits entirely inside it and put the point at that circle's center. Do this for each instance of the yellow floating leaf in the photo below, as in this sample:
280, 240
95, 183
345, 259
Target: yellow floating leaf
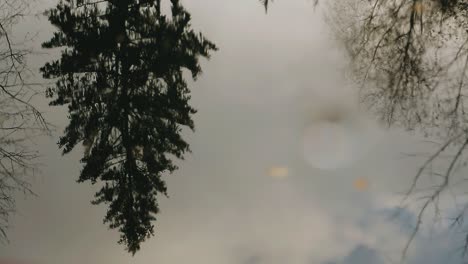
278, 172
361, 184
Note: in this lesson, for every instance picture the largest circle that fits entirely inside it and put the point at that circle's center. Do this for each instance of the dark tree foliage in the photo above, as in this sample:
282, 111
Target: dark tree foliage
265, 4
121, 75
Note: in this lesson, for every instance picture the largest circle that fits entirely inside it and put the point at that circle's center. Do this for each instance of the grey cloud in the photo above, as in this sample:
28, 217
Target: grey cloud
253, 260
431, 246
361, 254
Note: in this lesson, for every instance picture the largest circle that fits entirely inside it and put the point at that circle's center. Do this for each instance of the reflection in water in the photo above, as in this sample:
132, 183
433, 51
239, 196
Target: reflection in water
121, 77
410, 59
336, 137
327, 145
246, 196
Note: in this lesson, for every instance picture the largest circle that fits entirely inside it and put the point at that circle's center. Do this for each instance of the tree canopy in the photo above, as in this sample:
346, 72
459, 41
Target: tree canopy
121, 75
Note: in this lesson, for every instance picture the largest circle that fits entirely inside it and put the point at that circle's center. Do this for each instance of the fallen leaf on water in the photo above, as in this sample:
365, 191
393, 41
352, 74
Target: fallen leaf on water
278, 172
361, 184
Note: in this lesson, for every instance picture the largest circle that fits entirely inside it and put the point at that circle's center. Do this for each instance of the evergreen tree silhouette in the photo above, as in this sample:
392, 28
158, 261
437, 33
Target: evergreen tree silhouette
121, 76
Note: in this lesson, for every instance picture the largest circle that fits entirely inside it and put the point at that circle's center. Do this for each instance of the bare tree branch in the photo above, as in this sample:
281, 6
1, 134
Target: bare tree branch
410, 60
19, 119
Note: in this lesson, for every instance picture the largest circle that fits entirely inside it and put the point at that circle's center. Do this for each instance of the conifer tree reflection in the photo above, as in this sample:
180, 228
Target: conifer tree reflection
121, 75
